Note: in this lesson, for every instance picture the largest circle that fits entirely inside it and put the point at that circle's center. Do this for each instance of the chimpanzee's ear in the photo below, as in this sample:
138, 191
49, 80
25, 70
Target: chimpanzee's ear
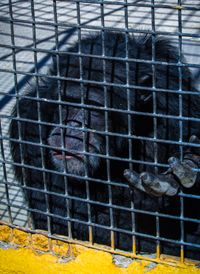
145, 81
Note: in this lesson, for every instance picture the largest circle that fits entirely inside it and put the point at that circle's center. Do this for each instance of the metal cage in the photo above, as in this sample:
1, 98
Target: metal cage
32, 32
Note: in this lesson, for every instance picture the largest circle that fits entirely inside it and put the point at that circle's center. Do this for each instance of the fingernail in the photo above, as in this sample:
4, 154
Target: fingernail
194, 139
144, 176
172, 161
127, 173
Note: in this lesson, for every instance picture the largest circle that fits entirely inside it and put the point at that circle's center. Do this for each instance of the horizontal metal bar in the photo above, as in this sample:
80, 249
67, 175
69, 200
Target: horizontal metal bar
106, 205
142, 235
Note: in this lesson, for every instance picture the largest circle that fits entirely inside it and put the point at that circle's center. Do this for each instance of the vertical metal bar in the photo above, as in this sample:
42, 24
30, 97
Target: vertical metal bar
106, 129
62, 131
17, 97
130, 140
180, 123
39, 118
155, 112
85, 134
5, 176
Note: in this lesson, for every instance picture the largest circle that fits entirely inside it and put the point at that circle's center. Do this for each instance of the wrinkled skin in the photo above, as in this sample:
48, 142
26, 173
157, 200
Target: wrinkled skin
70, 133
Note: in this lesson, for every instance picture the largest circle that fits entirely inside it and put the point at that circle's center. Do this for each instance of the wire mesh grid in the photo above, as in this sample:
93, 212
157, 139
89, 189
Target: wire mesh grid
77, 189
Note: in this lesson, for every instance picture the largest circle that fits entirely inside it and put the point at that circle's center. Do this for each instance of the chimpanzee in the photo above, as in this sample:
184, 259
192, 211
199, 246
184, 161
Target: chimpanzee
109, 102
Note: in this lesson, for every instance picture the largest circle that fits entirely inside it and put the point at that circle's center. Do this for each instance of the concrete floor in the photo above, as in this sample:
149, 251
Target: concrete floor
139, 18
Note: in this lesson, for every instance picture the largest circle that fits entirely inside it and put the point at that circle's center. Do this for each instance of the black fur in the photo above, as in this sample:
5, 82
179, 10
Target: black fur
50, 91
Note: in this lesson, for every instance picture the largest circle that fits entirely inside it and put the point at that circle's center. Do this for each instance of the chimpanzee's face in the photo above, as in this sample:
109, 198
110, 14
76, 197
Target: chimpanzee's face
71, 144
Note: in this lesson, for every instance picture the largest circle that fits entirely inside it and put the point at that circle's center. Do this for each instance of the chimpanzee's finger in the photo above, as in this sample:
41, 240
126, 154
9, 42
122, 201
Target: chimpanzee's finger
183, 171
159, 185
133, 179
154, 185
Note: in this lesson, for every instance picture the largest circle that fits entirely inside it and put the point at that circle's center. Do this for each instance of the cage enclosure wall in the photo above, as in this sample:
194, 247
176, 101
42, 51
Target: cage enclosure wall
100, 122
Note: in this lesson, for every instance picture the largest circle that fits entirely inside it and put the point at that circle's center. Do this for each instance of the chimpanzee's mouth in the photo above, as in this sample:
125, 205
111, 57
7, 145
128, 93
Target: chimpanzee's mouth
67, 156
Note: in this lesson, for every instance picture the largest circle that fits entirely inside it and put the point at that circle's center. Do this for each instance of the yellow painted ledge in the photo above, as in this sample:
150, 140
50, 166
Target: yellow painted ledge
32, 254
26, 261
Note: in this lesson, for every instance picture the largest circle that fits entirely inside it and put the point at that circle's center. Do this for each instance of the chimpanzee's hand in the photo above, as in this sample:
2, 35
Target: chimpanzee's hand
168, 183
